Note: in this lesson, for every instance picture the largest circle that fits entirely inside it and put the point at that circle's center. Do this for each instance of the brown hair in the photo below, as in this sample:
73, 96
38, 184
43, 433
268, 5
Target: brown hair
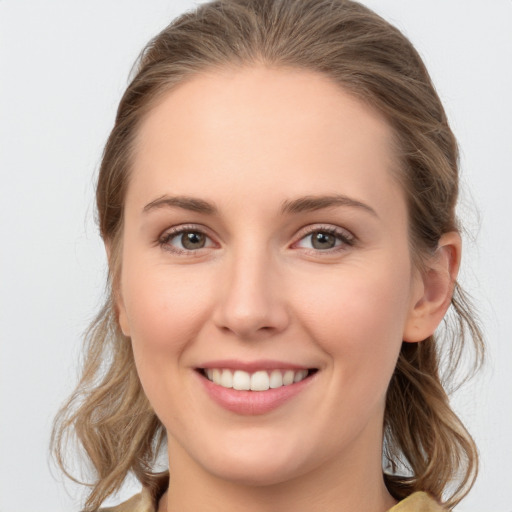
426, 447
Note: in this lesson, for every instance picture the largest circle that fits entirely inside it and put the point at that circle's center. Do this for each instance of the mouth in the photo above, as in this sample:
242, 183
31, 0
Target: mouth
259, 380
257, 387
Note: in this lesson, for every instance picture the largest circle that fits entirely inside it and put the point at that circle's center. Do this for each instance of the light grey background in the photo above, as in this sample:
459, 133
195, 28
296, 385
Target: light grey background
63, 67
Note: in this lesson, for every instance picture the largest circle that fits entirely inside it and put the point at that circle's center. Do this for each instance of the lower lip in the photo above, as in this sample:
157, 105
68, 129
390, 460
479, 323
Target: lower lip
253, 402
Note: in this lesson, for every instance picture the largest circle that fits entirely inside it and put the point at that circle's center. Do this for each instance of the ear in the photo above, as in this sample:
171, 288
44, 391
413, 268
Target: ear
119, 306
433, 289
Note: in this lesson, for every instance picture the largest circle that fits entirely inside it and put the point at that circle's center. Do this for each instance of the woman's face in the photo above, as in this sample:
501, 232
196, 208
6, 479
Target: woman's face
265, 238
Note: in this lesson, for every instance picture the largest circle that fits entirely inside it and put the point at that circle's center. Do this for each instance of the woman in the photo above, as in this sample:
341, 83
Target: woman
277, 203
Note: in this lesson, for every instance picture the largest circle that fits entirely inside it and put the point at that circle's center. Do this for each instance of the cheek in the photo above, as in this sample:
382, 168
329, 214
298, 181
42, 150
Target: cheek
358, 318
164, 309
162, 312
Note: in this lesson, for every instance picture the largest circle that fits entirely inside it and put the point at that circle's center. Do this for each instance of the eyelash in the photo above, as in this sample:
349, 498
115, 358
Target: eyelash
165, 239
346, 239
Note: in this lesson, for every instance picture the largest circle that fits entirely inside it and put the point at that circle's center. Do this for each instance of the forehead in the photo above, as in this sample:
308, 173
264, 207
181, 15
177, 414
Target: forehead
266, 129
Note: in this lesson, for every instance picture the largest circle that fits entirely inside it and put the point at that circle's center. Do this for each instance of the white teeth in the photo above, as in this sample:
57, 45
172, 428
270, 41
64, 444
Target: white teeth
216, 376
258, 381
226, 379
276, 379
300, 375
288, 377
241, 380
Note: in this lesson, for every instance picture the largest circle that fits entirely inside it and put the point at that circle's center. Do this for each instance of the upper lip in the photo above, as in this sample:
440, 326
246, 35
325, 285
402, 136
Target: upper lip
252, 366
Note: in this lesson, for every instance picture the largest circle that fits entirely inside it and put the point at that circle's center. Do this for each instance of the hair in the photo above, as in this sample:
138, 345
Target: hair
426, 446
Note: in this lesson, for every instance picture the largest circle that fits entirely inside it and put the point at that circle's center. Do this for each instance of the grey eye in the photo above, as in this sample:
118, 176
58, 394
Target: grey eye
193, 240
322, 240
186, 241
325, 239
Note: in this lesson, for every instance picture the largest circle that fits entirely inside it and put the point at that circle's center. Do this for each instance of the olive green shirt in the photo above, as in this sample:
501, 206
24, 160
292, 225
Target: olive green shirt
417, 502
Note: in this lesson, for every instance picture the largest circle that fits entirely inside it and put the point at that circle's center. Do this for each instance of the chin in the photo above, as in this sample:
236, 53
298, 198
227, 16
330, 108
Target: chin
253, 473
251, 459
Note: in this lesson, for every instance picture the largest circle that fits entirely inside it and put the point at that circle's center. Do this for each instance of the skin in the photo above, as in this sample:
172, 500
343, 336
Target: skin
246, 141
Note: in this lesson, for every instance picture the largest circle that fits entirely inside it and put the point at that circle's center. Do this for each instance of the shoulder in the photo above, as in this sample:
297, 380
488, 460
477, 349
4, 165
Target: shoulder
142, 502
147, 499
418, 502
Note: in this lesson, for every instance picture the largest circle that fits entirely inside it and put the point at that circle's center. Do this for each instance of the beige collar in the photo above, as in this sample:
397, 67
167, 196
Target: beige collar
146, 502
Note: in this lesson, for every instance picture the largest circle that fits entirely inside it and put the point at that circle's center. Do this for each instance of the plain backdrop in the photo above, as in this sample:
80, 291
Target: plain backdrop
63, 67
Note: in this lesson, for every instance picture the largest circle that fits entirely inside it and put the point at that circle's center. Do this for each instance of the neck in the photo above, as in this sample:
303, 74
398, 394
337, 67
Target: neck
352, 483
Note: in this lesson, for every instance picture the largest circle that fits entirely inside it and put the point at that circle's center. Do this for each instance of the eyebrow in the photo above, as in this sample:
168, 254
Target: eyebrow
184, 202
299, 205
312, 203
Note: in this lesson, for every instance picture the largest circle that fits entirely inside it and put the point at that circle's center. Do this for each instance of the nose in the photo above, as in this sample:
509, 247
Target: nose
252, 302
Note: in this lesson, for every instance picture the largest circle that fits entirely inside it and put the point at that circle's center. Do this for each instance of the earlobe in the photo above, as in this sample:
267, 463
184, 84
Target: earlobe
122, 318
108, 248
117, 298
434, 289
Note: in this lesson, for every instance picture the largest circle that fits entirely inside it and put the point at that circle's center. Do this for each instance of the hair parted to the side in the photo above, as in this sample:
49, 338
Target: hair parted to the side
109, 414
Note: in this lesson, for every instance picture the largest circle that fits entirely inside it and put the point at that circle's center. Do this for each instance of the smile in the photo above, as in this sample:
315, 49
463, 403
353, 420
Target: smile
253, 388
260, 380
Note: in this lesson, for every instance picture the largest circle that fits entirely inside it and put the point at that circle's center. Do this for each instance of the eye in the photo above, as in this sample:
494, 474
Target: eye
325, 239
184, 240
